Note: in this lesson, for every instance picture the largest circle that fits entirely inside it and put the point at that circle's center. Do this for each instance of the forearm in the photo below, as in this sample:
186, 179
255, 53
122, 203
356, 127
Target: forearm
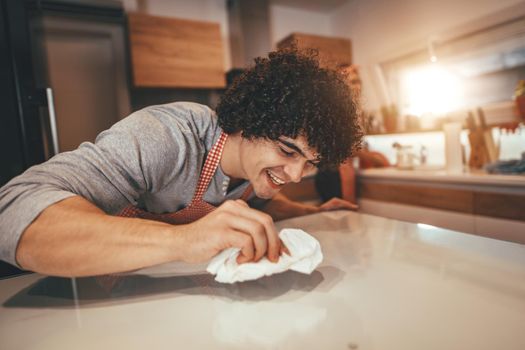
280, 208
75, 238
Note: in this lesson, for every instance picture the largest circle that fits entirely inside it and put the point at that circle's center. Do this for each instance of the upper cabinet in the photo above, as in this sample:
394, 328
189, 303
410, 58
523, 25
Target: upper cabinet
176, 53
333, 52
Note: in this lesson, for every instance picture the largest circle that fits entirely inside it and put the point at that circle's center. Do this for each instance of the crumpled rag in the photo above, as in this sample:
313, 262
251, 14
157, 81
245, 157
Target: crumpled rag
305, 256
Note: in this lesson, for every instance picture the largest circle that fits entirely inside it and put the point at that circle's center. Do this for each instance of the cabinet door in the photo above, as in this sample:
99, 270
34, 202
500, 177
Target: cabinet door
168, 52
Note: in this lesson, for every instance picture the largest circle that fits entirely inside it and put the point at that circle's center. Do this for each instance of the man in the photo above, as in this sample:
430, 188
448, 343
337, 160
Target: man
145, 192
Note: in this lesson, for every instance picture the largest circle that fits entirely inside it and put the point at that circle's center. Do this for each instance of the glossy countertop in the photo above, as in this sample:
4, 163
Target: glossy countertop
383, 284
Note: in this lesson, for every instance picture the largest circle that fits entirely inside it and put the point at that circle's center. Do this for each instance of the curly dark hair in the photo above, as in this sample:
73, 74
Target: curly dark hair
289, 94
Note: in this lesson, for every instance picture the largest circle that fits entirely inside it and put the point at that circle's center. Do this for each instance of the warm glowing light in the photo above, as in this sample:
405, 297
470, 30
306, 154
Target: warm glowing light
426, 226
431, 90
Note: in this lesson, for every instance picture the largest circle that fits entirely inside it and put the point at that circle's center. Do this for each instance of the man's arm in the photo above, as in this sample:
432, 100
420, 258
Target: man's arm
280, 207
75, 238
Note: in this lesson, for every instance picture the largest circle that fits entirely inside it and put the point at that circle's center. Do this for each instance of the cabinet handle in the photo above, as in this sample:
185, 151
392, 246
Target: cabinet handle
52, 120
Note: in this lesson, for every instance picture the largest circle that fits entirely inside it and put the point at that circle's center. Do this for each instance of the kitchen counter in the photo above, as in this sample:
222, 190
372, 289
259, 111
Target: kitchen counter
473, 202
477, 179
383, 284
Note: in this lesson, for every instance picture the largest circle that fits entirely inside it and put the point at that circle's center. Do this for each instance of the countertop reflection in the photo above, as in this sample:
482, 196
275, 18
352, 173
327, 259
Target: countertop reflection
383, 284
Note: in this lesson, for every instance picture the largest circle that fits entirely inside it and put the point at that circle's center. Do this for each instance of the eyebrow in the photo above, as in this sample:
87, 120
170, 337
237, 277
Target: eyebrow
298, 150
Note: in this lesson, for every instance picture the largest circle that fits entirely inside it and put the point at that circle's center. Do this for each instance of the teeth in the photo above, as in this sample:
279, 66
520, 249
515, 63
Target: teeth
275, 179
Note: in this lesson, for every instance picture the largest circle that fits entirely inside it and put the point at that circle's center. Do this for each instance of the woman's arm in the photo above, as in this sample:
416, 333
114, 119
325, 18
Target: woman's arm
280, 207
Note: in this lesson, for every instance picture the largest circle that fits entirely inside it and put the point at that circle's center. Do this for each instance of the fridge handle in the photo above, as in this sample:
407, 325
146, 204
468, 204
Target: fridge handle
52, 119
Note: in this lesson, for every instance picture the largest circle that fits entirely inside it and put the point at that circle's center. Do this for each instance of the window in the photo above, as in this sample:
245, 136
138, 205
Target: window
471, 70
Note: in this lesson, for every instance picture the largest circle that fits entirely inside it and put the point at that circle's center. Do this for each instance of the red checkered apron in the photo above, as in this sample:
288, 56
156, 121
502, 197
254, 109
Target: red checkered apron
194, 211
197, 207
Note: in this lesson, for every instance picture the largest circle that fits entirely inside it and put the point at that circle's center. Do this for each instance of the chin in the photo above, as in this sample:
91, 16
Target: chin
265, 193
264, 188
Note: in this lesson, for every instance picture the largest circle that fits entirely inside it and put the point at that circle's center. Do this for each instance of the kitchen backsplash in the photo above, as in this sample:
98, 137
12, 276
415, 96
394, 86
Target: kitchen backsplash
512, 145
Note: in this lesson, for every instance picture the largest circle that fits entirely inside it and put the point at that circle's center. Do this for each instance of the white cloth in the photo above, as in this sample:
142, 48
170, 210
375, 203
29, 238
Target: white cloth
305, 256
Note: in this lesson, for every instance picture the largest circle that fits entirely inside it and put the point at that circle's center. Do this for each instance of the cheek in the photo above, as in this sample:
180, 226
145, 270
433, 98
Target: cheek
258, 156
266, 159
255, 161
273, 161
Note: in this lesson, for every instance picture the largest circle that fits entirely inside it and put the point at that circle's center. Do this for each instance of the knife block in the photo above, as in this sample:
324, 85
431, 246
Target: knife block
478, 152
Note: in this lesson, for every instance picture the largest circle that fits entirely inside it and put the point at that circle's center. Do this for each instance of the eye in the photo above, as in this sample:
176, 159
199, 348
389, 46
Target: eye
287, 153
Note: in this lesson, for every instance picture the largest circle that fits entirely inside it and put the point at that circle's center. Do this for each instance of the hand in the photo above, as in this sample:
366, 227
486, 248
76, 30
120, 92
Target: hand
337, 203
233, 224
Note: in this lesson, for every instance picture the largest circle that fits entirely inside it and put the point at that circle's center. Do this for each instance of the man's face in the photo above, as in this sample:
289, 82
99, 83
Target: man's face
269, 165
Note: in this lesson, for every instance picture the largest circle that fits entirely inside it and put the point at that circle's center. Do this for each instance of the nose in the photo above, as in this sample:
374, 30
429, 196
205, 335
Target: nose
295, 171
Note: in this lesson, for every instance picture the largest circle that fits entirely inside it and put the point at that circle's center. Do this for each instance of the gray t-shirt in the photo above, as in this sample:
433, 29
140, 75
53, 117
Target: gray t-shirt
151, 159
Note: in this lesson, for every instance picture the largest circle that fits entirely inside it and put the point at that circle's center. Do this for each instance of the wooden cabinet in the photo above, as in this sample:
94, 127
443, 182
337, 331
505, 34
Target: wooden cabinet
333, 52
473, 209
468, 201
169, 52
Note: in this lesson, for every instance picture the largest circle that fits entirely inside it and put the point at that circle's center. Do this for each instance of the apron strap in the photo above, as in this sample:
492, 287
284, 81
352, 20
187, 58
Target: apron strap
210, 165
247, 192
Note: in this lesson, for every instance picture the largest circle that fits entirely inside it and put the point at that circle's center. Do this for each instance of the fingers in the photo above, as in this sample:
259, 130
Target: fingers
346, 205
255, 223
252, 228
273, 241
284, 249
338, 203
236, 239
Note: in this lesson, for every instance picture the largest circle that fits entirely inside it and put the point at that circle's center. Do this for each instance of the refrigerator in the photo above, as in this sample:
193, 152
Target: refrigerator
64, 78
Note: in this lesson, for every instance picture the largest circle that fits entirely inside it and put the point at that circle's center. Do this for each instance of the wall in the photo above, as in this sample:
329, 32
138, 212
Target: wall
385, 29
285, 20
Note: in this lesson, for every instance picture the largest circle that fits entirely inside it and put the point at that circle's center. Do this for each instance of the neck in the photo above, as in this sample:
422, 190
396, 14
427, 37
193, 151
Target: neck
230, 159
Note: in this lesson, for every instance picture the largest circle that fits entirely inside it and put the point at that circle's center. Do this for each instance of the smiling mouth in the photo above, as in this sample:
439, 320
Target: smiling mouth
275, 180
